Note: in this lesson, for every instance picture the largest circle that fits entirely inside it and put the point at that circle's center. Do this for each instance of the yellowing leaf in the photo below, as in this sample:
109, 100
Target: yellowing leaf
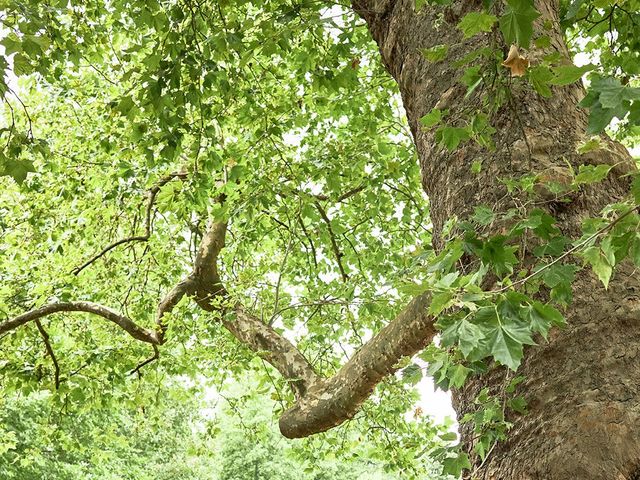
515, 62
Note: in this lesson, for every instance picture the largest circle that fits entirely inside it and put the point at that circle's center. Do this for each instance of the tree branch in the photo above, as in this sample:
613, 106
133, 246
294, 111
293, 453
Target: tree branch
155, 356
47, 345
346, 195
334, 244
148, 225
128, 325
321, 403
332, 401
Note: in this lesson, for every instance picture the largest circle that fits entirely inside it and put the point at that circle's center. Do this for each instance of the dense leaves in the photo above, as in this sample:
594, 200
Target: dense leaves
277, 117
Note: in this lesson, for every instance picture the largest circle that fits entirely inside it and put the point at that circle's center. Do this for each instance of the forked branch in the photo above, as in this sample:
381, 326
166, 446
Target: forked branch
148, 223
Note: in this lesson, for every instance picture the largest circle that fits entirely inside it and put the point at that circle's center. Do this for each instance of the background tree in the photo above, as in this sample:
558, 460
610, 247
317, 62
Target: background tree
247, 157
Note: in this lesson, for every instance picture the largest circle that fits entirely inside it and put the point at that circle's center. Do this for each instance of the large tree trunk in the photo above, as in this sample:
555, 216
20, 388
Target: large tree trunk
583, 386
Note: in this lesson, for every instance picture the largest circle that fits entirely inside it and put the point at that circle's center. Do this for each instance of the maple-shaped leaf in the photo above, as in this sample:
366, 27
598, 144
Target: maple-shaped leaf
515, 62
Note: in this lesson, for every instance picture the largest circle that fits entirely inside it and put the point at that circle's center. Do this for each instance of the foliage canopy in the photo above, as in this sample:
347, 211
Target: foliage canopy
136, 125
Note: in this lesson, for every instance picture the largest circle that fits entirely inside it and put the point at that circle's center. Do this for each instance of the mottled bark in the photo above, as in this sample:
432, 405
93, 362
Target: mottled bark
583, 386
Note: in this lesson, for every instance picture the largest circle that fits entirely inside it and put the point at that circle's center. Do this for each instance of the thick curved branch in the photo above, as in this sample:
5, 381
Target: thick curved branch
320, 403
274, 348
148, 224
128, 325
332, 401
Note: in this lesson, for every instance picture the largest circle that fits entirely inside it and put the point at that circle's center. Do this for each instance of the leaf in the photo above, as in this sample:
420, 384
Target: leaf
567, 74
591, 174
469, 336
559, 274
542, 317
21, 65
516, 63
476, 22
432, 118
634, 249
540, 76
505, 350
483, 215
459, 376
600, 118
16, 168
600, 264
412, 374
449, 436
499, 256
451, 137
518, 404
635, 189
517, 22
573, 9
612, 93
519, 332
439, 302
455, 465
436, 53
589, 146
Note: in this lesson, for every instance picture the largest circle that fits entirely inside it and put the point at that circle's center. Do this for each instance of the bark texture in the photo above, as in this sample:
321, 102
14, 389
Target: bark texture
583, 386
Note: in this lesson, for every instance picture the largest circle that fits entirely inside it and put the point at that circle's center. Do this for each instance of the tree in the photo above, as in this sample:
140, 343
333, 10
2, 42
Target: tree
173, 440
268, 123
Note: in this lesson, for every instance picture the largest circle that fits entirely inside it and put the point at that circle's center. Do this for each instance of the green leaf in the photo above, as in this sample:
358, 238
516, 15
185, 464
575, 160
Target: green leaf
600, 263
518, 404
455, 465
439, 302
469, 336
499, 256
476, 22
540, 76
634, 249
451, 137
518, 331
635, 189
573, 9
483, 215
559, 274
449, 436
21, 65
431, 119
505, 349
542, 317
412, 374
436, 53
517, 22
567, 74
591, 174
16, 168
590, 145
459, 376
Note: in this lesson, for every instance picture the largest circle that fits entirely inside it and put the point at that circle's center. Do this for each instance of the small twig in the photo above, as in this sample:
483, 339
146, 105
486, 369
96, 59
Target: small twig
156, 355
279, 283
475, 470
568, 252
334, 244
346, 195
47, 344
148, 225
311, 245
